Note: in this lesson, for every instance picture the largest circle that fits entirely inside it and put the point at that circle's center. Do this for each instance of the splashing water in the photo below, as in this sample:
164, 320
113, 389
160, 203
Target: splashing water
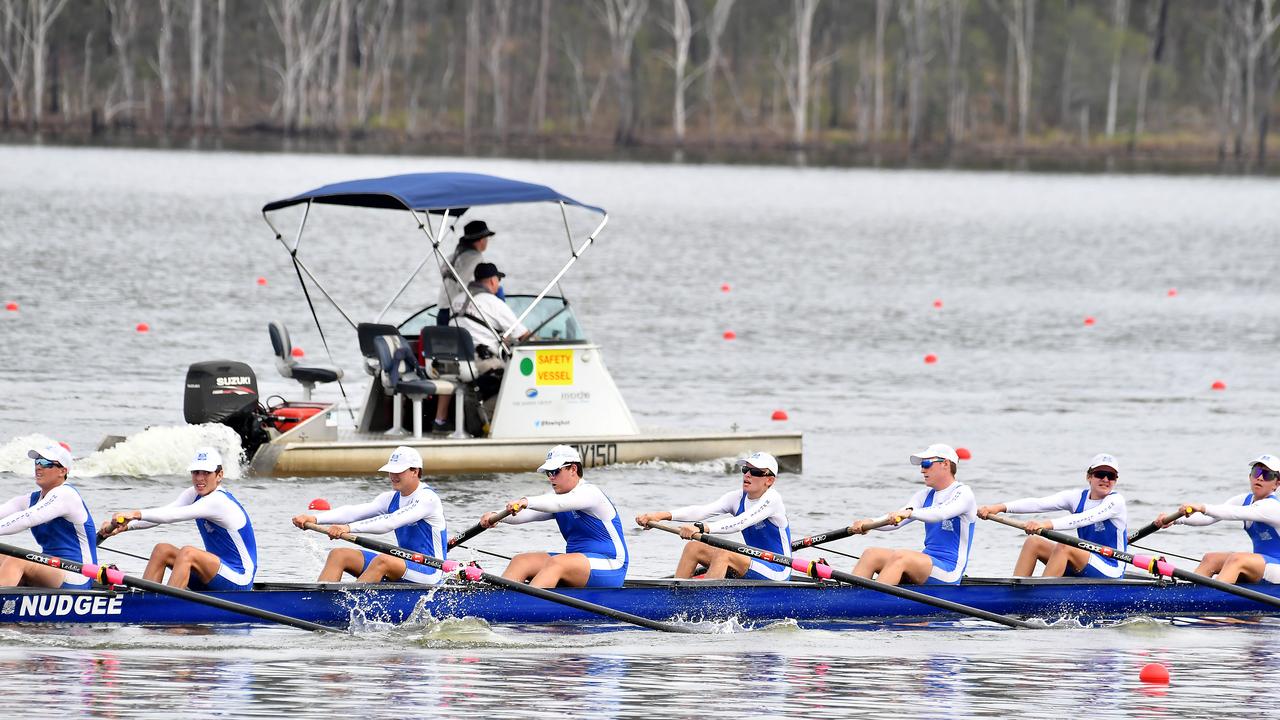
161, 450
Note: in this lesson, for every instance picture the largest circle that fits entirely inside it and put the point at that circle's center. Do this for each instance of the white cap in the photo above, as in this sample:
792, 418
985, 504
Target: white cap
402, 458
207, 459
54, 452
761, 460
936, 450
1271, 461
1104, 460
559, 456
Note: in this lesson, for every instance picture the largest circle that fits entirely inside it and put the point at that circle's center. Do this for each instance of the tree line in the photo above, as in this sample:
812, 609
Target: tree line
795, 73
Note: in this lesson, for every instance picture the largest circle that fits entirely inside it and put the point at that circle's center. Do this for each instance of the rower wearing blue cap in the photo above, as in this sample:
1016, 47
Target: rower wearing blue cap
58, 519
410, 509
229, 558
595, 554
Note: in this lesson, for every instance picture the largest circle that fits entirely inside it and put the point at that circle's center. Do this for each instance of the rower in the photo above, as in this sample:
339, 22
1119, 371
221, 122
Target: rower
595, 553
1260, 511
947, 509
229, 559
58, 519
756, 510
1098, 516
410, 509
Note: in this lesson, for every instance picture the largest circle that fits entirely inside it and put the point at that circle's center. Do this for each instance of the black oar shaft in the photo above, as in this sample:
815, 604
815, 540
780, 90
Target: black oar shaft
825, 572
474, 573
1154, 565
1153, 526
826, 537
112, 576
476, 529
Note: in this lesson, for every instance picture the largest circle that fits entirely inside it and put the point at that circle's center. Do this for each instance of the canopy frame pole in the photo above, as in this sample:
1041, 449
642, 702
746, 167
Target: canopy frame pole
426, 229
555, 280
293, 254
435, 244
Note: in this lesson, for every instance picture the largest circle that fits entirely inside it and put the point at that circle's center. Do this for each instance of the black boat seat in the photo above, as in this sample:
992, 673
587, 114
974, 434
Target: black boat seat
366, 332
401, 375
308, 375
452, 354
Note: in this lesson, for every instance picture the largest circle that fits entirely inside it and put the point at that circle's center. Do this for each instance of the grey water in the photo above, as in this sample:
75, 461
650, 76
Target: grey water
833, 276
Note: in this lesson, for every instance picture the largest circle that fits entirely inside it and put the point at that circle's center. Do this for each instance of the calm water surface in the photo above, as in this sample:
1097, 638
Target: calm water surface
833, 275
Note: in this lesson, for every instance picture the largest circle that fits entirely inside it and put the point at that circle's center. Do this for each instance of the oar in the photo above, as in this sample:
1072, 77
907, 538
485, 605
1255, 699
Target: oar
111, 576
115, 522
476, 529
474, 573
826, 572
1154, 565
1151, 527
826, 537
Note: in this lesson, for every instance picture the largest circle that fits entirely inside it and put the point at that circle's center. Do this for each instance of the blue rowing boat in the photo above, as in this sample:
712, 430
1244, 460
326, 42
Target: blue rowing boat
747, 601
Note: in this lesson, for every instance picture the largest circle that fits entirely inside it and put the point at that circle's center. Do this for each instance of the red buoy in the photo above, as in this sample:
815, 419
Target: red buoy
930, 359
730, 335
1173, 292
262, 280
724, 287
963, 453
65, 446
779, 415
1089, 320
143, 327
318, 504
11, 307
297, 352
1218, 385
1154, 673
937, 304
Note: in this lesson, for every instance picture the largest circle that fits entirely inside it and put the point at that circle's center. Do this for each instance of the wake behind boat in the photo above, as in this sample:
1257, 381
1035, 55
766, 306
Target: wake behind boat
556, 388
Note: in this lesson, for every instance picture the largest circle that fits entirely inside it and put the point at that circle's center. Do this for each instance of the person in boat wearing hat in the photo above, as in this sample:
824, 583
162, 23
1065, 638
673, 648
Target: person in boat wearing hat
755, 510
948, 510
1098, 516
466, 256
595, 553
471, 313
410, 509
229, 558
1260, 510
58, 519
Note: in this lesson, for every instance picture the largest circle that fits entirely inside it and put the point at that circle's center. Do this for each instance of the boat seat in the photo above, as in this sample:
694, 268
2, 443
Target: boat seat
366, 332
308, 375
451, 352
401, 375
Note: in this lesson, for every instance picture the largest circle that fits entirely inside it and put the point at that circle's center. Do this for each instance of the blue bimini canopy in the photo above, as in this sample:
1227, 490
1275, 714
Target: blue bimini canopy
430, 192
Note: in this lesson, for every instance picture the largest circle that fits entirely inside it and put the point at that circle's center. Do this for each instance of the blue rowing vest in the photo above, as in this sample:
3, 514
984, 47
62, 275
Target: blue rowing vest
1266, 540
59, 536
218, 541
942, 539
585, 533
765, 535
1108, 532
419, 536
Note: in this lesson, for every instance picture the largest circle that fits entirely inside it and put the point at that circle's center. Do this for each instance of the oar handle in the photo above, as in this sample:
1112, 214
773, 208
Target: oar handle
1003, 520
116, 521
476, 529
1152, 526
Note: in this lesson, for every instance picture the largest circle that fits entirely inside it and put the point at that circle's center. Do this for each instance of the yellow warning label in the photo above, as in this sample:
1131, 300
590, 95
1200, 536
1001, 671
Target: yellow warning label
554, 367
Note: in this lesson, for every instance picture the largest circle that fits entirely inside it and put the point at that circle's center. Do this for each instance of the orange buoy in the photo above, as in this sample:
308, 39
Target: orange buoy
724, 287
1218, 385
1154, 673
937, 304
143, 327
1089, 320
65, 446
262, 280
963, 453
11, 306
779, 415
930, 359
318, 504
1173, 292
730, 335
297, 352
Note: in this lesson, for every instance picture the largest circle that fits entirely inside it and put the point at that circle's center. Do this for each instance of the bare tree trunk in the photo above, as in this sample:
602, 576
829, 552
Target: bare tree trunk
539, 117
86, 86
1271, 79
719, 20
497, 52
375, 54
882, 19
681, 30
1066, 97
953, 39
1119, 23
42, 16
797, 75
864, 91
1157, 16
124, 28
195, 38
622, 20
15, 54
219, 56
164, 62
1019, 17
1260, 25
470, 70
1010, 73
341, 121
914, 27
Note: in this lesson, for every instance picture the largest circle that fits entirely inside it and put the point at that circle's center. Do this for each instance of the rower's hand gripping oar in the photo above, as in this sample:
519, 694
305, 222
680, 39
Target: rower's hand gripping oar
476, 529
111, 576
1157, 566
1153, 526
474, 573
826, 572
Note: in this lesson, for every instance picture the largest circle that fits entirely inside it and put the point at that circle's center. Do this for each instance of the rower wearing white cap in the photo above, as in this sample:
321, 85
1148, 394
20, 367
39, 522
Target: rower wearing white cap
947, 509
229, 559
1098, 516
58, 519
410, 509
1260, 510
595, 554
756, 510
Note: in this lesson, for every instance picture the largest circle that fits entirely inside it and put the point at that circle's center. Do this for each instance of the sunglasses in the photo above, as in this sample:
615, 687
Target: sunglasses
1104, 475
1258, 472
930, 462
46, 463
553, 473
755, 472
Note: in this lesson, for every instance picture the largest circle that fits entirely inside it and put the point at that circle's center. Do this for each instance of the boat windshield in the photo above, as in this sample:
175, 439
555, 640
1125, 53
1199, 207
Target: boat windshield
552, 319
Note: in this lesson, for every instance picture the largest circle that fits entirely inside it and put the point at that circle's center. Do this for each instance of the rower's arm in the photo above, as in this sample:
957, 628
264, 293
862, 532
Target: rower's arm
17, 504
1112, 506
51, 507
1065, 500
960, 502
346, 514
1265, 511
770, 504
420, 509
723, 505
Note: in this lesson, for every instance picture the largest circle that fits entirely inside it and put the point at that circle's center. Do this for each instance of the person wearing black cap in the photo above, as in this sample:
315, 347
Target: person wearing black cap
465, 258
488, 319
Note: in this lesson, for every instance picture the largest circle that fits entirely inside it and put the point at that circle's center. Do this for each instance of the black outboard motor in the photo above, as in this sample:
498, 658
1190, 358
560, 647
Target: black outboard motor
226, 391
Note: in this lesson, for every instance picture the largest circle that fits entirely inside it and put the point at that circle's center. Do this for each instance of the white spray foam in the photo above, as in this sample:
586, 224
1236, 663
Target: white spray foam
161, 450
